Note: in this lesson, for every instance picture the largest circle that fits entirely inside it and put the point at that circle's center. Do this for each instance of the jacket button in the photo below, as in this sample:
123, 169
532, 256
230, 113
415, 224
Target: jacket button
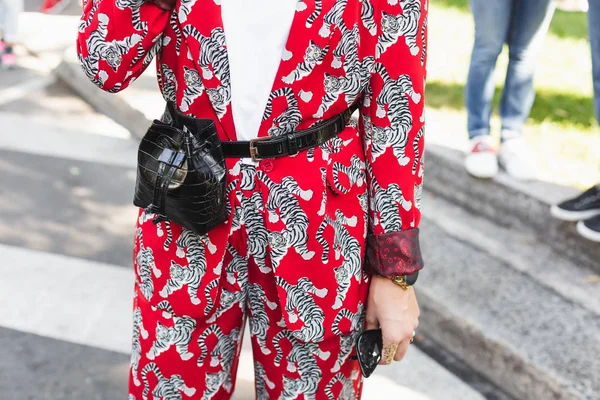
267, 165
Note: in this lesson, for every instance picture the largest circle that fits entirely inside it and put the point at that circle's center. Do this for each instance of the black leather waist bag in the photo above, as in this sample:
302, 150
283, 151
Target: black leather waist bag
181, 174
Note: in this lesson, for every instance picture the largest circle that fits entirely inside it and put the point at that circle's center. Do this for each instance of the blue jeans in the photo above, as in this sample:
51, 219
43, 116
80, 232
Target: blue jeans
594, 33
522, 24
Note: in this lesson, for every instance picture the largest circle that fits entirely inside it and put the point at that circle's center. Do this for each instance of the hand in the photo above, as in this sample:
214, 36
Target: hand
395, 311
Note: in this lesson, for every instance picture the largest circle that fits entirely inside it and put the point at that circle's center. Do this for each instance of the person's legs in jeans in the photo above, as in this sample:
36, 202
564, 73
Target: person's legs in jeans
529, 24
492, 21
594, 34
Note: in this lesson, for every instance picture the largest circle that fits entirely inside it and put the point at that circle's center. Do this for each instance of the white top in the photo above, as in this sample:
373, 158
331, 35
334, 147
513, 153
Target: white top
256, 32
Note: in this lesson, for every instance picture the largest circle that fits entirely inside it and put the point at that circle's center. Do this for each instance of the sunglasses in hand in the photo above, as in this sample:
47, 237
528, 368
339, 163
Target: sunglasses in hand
369, 346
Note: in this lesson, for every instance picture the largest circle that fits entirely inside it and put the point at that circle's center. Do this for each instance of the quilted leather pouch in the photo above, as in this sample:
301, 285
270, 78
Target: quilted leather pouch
181, 174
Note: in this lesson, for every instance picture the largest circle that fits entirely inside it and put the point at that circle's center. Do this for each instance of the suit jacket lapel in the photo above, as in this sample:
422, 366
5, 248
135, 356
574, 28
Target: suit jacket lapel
203, 32
306, 47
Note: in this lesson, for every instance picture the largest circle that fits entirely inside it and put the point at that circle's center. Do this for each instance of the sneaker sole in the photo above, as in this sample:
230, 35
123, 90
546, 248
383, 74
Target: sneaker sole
587, 232
487, 172
572, 216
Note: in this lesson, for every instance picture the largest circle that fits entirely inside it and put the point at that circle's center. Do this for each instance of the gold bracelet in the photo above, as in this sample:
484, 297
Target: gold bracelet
400, 280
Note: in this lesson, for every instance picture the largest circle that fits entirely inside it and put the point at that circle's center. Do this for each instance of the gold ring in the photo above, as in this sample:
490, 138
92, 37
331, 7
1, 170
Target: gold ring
389, 352
412, 338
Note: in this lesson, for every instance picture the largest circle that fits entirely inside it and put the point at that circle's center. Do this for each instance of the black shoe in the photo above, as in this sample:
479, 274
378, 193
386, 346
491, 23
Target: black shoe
590, 228
584, 206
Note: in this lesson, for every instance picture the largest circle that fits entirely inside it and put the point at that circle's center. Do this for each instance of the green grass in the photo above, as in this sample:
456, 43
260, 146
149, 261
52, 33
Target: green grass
562, 120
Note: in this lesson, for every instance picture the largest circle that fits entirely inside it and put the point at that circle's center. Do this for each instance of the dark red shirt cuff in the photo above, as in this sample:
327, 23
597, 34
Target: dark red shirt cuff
394, 253
165, 5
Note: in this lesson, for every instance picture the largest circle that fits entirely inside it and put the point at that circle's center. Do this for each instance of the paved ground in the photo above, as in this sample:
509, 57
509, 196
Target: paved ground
66, 228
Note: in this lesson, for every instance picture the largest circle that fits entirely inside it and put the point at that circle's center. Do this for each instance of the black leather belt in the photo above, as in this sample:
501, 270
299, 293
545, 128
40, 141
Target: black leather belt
290, 144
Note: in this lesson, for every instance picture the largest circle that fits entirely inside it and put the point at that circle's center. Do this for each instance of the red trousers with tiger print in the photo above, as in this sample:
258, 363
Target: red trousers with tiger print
194, 293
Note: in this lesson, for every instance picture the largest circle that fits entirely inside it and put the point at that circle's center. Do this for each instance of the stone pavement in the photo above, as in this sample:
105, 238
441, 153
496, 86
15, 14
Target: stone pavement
66, 226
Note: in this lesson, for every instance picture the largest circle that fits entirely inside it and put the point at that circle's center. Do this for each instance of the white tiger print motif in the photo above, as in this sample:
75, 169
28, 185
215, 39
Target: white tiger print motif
166, 388
179, 335
212, 53
363, 199
134, 5
192, 246
396, 135
220, 98
146, 266
418, 195
323, 207
84, 24
351, 85
315, 14
227, 301
313, 56
347, 341
355, 172
289, 119
237, 265
333, 17
368, 17
160, 233
345, 245
260, 323
282, 198
258, 236
262, 382
111, 52
347, 392
216, 381
136, 350
159, 41
391, 91
223, 354
348, 45
169, 83
299, 298
416, 149
184, 10
405, 24
302, 358
194, 88
174, 23
385, 203
332, 146
424, 40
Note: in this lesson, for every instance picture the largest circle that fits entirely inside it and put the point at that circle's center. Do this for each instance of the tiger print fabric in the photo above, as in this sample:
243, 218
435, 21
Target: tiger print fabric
190, 307
297, 225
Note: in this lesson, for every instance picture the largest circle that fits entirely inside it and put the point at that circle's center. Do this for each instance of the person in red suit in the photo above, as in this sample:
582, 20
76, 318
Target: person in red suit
319, 243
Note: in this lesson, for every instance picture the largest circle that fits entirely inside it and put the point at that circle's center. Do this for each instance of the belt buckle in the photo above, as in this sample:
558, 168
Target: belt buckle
253, 150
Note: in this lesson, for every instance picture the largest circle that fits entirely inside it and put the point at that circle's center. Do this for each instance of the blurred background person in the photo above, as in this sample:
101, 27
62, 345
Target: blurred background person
9, 26
522, 24
585, 208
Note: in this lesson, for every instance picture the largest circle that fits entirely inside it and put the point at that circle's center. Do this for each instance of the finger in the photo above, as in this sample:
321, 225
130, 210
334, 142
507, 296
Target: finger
402, 350
371, 321
388, 353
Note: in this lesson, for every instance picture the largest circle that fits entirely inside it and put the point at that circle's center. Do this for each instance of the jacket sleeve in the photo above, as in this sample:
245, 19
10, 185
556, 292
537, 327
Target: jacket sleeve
117, 39
393, 119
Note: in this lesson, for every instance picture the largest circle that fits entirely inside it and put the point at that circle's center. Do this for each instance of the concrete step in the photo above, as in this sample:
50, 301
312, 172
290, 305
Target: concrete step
521, 313
509, 203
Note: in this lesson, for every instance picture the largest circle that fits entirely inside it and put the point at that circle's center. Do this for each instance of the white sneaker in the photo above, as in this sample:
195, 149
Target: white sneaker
517, 159
482, 162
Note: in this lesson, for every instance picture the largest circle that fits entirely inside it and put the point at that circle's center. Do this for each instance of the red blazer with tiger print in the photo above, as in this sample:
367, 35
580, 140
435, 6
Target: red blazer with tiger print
337, 51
